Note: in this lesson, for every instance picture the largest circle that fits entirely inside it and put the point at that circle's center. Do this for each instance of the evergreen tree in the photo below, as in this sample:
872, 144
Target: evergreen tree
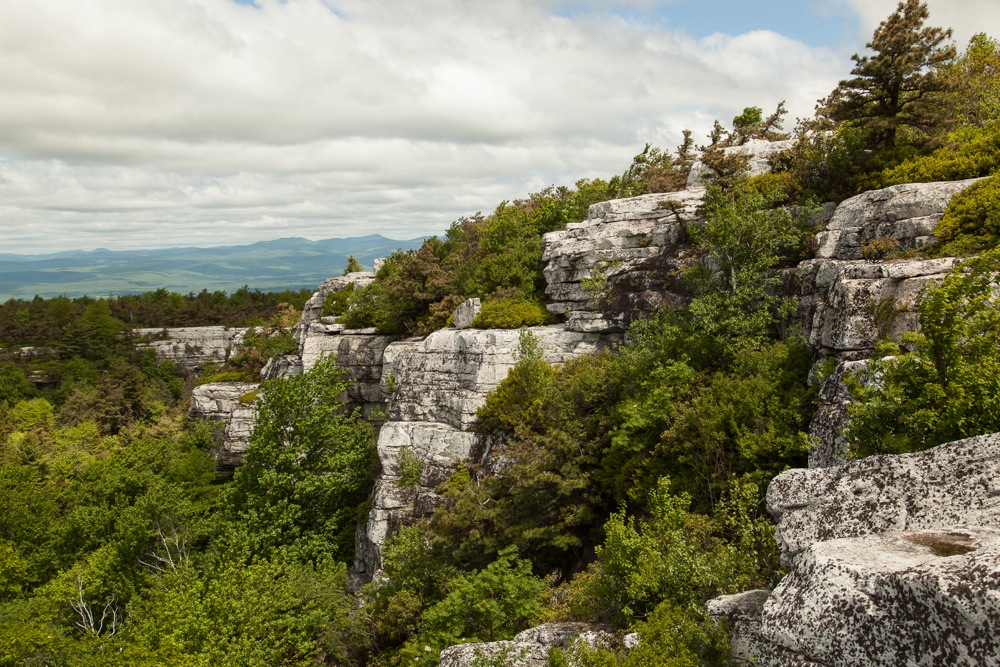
353, 265
903, 84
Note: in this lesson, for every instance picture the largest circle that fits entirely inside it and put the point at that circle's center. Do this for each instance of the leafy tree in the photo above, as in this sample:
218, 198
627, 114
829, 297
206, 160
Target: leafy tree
742, 240
977, 98
946, 388
903, 84
308, 467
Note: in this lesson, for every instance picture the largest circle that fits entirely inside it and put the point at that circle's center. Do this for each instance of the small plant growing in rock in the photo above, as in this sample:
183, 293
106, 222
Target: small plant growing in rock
879, 248
411, 468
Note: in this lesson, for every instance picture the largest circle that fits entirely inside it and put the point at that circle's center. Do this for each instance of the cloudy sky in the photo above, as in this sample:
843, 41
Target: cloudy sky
155, 123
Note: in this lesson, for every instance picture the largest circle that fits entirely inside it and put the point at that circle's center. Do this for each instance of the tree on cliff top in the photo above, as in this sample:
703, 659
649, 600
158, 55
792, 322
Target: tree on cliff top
903, 84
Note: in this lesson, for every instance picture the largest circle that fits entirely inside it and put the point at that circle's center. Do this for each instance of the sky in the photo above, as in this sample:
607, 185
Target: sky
159, 123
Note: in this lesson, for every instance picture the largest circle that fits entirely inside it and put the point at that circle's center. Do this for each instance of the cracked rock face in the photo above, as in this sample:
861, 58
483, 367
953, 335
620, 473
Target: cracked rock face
191, 348
436, 386
220, 402
313, 309
894, 560
952, 484
621, 261
915, 598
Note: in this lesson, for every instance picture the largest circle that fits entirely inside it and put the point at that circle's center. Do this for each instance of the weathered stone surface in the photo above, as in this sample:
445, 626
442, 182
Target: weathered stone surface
953, 484
924, 598
313, 310
743, 612
446, 376
236, 437
907, 213
760, 152
466, 313
847, 305
529, 648
285, 365
438, 447
628, 250
359, 352
831, 416
216, 400
192, 347
436, 384
220, 401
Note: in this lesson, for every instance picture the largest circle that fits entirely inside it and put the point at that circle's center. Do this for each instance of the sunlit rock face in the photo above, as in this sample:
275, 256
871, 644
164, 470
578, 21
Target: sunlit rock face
622, 262
192, 348
892, 560
231, 405
847, 303
436, 384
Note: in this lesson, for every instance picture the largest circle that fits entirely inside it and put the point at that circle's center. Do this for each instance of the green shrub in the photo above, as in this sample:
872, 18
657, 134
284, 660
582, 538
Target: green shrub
511, 313
968, 152
336, 303
226, 376
947, 387
971, 223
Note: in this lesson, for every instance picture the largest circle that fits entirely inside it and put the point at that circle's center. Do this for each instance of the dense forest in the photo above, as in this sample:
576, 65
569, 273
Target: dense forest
636, 476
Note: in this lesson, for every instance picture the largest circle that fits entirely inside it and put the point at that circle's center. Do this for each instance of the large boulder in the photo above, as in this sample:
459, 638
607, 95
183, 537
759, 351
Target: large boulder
924, 598
621, 262
952, 484
313, 309
893, 560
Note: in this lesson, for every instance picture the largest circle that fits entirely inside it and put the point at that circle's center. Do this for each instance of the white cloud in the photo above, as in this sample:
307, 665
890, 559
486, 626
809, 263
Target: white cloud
132, 123
965, 17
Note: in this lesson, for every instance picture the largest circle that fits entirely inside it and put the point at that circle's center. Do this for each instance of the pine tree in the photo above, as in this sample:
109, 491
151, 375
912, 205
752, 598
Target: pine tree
353, 265
903, 84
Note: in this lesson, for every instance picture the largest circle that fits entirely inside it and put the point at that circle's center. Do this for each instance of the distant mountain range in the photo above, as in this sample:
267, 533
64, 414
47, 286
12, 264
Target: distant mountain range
289, 263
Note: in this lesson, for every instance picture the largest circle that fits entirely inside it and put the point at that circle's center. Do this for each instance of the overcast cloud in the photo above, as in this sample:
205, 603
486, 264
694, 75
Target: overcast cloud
151, 123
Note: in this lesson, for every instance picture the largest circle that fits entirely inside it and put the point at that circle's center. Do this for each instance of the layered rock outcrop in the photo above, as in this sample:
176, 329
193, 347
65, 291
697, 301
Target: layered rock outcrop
621, 262
191, 348
436, 385
230, 404
893, 560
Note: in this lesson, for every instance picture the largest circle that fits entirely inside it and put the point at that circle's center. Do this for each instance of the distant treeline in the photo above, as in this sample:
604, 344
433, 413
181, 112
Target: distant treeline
40, 321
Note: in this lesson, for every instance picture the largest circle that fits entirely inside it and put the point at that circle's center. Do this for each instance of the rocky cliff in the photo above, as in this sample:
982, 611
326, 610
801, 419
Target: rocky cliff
885, 554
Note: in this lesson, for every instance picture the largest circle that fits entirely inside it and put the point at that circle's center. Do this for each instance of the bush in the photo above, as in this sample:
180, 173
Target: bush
968, 152
971, 223
947, 387
511, 313
336, 303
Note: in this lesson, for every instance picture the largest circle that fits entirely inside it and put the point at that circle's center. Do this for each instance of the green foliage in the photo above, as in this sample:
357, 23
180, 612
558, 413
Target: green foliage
498, 255
903, 85
14, 384
337, 302
410, 470
308, 466
968, 152
353, 265
971, 223
511, 313
977, 101
742, 240
946, 388
229, 614
484, 606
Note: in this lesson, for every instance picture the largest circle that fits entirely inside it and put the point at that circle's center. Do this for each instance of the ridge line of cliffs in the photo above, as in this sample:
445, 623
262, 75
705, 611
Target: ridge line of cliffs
886, 553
